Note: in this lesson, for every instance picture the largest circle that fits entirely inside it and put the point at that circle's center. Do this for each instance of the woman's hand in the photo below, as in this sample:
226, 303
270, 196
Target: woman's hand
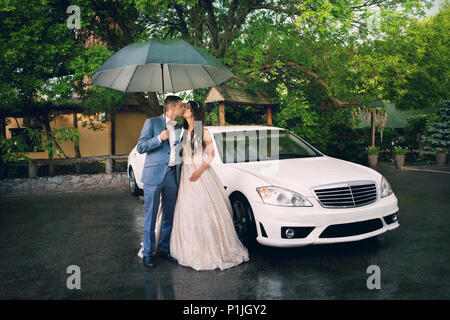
196, 175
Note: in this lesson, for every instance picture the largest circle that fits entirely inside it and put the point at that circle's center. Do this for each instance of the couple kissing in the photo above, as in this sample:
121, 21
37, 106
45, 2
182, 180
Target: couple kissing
188, 217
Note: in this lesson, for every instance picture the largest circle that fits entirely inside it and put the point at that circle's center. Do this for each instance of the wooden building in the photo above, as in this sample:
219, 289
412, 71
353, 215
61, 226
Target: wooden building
226, 97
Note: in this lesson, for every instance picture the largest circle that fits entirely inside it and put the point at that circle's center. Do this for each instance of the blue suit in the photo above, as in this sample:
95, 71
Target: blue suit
158, 181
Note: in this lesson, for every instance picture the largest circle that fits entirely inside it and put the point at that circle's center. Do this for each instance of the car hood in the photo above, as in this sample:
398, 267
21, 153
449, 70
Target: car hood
303, 173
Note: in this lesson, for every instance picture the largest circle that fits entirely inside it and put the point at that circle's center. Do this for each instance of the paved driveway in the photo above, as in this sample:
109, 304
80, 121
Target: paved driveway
100, 231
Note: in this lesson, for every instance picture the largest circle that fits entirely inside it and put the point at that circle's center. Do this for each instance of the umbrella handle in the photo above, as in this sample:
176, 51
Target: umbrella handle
164, 105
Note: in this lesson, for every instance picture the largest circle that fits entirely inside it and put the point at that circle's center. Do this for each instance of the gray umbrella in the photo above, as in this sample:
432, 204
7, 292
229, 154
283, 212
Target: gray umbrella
169, 65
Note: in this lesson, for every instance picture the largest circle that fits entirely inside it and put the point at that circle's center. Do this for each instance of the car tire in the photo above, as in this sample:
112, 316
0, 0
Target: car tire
135, 191
243, 220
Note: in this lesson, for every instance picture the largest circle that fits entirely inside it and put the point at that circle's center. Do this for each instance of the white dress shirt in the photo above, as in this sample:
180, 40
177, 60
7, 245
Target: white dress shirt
170, 125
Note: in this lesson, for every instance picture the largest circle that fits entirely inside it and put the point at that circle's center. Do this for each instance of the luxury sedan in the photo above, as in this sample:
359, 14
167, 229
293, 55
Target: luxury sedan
286, 193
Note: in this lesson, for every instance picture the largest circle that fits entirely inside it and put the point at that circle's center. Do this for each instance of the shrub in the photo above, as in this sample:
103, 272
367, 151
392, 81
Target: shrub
373, 150
401, 151
415, 129
437, 132
441, 150
212, 115
329, 130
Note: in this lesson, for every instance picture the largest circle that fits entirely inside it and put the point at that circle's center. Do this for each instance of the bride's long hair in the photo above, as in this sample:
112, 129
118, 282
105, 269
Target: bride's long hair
199, 117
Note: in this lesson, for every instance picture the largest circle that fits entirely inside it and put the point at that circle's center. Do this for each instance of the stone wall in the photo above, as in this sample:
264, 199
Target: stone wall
63, 183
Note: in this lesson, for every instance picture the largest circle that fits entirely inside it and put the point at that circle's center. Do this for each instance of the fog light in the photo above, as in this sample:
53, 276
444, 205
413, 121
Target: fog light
394, 218
290, 233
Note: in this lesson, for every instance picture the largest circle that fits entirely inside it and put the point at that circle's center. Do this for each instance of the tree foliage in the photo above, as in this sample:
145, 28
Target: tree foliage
36, 48
437, 133
412, 61
318, 58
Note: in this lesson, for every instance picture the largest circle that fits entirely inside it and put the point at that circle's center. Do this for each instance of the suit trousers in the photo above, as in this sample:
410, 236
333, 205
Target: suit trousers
168, 190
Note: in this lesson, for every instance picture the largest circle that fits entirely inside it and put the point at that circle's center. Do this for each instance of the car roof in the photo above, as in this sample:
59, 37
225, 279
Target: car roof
218, 129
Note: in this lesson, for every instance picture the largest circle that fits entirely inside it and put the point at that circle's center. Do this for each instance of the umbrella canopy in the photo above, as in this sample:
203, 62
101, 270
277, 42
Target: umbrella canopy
168, 65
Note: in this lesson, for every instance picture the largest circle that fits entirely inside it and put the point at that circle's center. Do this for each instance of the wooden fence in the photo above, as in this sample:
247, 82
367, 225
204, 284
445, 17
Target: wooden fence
34, 164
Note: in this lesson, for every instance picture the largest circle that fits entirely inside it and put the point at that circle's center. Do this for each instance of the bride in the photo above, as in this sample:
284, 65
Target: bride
203, 235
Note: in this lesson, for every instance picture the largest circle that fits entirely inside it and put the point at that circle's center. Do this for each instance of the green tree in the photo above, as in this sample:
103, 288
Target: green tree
437, 133
36, 48
413, 61
322, 52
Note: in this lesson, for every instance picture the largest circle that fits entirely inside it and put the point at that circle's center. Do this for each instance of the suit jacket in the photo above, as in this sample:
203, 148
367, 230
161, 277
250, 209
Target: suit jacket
158, 153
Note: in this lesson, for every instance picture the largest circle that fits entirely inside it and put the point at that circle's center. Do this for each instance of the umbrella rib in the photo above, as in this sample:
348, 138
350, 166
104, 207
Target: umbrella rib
188, 76
210, 76
170, 75
131, 78
117, 77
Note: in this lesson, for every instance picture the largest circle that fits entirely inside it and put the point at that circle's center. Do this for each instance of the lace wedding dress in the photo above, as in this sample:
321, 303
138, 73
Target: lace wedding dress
203, 235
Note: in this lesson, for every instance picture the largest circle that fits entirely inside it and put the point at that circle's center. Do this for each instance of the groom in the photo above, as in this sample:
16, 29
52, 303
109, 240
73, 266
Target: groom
160, 176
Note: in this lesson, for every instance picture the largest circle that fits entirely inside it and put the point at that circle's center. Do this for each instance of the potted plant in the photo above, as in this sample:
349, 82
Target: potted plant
372, 155
441, 156
399, 156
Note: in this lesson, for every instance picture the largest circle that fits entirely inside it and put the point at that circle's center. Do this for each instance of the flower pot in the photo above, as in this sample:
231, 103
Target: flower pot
373, 160
441, 158
399, 160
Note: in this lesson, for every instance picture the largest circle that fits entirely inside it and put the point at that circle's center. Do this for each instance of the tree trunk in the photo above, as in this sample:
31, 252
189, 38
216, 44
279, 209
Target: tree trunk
3, 168
373, 127
48, 132
3, 126
150, 106
44, 119
76, 145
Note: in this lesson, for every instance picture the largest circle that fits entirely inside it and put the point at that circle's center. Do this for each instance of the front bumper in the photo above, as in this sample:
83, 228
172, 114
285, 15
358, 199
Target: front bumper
340, 225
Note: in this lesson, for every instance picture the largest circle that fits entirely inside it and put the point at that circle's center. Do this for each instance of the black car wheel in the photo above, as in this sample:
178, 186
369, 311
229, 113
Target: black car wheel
135, 191
243, 219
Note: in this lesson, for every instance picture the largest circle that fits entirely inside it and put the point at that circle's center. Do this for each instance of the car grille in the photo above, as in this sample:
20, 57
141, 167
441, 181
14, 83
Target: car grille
352, 195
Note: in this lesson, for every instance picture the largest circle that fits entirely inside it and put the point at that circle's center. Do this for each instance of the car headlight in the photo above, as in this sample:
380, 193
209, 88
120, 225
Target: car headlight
386, 189
282, 197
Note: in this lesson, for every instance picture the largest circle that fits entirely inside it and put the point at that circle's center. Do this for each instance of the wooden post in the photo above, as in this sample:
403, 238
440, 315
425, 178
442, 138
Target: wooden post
108, 166
77, 167
222, 114
113, 134
51, 169
113, 139
373, 127
32, 169
269, 115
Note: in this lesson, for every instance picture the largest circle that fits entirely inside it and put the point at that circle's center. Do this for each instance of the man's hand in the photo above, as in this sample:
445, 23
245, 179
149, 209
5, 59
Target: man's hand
164, 135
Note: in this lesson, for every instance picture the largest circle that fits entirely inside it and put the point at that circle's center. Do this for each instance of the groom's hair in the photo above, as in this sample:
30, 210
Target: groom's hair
171, 100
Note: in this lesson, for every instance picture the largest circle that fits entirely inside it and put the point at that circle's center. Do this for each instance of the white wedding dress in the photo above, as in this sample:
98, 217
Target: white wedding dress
203, 235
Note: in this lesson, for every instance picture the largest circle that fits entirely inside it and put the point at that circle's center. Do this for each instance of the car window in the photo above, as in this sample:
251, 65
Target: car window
261, 145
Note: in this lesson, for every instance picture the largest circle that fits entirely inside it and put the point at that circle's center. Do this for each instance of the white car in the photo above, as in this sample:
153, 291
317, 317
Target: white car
286, 193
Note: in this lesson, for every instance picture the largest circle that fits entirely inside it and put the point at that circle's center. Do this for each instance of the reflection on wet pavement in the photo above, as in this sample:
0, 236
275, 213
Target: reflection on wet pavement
100, 231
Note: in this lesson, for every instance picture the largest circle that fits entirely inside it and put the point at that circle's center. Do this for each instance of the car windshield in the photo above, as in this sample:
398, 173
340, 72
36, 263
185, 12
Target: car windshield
261, 145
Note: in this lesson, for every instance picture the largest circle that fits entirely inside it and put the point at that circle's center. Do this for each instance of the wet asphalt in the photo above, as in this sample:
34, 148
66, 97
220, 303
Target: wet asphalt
100, 231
